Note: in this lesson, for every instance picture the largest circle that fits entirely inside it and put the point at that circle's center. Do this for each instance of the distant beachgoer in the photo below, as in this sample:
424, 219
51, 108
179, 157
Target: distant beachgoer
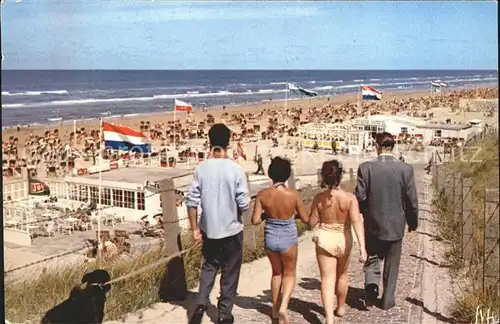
335, 210
401, 157
260, 165
220, 188
278, 205
388, 199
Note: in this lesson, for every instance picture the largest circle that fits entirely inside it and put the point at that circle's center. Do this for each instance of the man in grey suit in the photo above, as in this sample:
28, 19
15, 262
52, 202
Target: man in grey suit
388, 201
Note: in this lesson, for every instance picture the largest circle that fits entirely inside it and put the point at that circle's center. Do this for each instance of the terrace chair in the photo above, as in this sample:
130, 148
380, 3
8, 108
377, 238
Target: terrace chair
86, 226
108, 219
118, 218
66, 227
49, 229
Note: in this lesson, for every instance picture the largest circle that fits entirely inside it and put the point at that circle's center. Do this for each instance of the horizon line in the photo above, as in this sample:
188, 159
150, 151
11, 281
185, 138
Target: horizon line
207, 69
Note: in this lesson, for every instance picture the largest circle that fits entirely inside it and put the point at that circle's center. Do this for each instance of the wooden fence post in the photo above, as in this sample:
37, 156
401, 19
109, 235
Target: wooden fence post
491, 253
467, 220
436, 176
249, 230
457, 196
173, 286
448, 184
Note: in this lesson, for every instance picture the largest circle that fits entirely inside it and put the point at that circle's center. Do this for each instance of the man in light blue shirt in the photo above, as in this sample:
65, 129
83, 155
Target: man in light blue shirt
220, 188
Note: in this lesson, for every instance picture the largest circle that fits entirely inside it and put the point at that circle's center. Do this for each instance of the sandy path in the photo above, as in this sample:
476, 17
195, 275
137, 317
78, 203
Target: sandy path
253, 303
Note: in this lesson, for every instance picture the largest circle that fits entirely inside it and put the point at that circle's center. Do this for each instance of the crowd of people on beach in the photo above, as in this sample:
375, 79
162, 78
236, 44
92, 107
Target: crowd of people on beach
371, 212
58, 152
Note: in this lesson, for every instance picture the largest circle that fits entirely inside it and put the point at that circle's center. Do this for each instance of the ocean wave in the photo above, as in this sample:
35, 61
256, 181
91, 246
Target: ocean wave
114, 100
348, 86
358, 80
325, 88
330, 86
34, 93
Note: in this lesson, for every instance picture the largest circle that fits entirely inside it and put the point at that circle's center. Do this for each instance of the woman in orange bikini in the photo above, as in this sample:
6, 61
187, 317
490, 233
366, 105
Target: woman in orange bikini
335, 211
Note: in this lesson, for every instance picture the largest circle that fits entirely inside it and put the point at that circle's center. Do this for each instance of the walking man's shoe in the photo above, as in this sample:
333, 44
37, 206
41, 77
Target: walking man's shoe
371, 296
227, 320
198, 315
385, 307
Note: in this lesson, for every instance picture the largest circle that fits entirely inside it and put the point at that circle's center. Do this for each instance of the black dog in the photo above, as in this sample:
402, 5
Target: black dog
85, 303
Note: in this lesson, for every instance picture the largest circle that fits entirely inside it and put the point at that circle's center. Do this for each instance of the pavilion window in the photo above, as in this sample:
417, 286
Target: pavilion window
129, 199
73, 192
106, 196
94, 194
117, 198
141, 203
84, 193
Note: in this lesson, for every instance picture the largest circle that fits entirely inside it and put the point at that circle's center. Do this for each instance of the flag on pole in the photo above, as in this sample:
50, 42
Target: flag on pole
118, 137
370, 93
293, 88
182, 106
437, 85
240, 151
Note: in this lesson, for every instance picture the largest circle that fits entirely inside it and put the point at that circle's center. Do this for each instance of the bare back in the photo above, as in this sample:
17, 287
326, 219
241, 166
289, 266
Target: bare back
279, 203
333, 206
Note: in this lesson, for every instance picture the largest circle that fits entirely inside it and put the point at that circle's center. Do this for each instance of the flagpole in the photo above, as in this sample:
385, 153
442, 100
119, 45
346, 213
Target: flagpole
359, 95
99, 219
175, 109
284, 113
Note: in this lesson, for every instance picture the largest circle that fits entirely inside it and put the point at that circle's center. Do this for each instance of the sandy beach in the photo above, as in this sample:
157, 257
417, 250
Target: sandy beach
277, 106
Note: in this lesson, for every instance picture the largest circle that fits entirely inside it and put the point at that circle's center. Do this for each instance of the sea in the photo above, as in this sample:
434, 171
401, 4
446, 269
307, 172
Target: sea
33, 97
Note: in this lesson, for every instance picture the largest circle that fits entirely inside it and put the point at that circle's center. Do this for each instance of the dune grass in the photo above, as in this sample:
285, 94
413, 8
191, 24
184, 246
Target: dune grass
29, 299
484, 173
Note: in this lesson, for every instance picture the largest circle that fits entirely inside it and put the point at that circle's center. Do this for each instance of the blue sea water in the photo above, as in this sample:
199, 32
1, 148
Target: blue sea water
34, 97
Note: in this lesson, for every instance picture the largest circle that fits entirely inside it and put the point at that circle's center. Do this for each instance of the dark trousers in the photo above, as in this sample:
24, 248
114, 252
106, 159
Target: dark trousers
225, 254
260, 169
390, 253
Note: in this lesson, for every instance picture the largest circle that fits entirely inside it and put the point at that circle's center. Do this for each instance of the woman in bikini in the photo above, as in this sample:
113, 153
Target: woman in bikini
335, 211
278, 205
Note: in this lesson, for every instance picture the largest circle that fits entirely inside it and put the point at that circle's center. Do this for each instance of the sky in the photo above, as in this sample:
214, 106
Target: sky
141, 34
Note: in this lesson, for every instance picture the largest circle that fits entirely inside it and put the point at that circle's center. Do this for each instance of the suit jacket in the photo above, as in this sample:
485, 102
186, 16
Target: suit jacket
387, 196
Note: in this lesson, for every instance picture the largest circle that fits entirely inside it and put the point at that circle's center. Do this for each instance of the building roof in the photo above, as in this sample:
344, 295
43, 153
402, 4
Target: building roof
445, 126
402, 119
134, 178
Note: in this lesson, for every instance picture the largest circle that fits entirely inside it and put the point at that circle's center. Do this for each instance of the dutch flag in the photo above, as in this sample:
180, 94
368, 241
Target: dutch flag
370, 93
118, 137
